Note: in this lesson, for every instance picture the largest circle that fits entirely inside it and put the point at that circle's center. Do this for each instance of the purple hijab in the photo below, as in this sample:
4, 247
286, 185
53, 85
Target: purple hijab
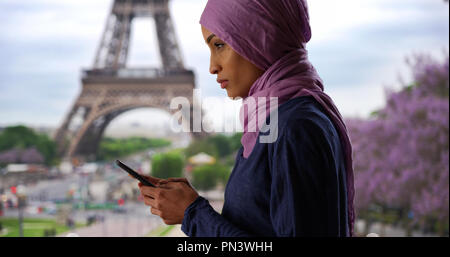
272, 34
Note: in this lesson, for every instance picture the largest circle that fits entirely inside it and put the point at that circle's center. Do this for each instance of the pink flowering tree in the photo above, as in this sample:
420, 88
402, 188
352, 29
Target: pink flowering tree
401, 154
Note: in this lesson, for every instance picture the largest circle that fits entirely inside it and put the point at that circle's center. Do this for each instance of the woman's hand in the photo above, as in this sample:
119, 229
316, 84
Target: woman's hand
153, 180
170, 199
164, 181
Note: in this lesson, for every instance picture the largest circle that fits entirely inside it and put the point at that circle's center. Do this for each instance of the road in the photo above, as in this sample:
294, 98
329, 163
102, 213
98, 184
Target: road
118, 226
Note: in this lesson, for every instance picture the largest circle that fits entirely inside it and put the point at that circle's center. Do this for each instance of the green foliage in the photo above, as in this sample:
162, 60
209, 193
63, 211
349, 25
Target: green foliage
202, 145
111, 148
207, 177
224, 174
167, 165
47, 148
235, 141
33, 227
22, 137
229, 160
218, 146
17, 137
222, 144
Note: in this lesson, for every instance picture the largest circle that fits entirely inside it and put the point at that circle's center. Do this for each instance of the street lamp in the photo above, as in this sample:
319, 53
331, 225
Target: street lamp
21, 197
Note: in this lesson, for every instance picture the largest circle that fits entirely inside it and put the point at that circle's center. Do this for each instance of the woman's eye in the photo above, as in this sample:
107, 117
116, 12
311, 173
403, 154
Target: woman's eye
218, 45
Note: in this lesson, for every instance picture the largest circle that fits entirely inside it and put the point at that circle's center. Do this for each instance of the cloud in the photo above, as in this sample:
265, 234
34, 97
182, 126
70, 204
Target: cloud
357, 47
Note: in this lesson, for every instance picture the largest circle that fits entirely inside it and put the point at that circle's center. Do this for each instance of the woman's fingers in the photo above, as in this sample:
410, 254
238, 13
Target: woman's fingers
152, 192
165, 181
178, 180
158, 181
150, 202
151, 179
155, 211
170, 200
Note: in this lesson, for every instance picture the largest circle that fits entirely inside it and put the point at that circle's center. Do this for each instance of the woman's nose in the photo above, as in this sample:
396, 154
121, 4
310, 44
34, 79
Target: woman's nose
214, 68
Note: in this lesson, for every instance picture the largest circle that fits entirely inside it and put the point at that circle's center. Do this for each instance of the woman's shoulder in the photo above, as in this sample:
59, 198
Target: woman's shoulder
305, 133
304, 114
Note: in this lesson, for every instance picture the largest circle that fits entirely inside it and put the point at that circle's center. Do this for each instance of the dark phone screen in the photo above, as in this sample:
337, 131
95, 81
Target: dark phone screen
134, 174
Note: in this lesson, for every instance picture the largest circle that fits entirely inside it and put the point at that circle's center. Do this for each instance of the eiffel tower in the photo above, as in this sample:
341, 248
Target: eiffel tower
110, 88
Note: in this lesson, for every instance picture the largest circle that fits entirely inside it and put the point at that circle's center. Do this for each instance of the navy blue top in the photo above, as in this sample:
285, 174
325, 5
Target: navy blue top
295, 186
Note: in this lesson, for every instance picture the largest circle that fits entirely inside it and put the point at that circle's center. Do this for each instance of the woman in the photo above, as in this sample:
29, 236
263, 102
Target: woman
302, 183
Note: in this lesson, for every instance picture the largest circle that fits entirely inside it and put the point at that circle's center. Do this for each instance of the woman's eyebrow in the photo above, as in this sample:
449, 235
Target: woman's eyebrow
209, 38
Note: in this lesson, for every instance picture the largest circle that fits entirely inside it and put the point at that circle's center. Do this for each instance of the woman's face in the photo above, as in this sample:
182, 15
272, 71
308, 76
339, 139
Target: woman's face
234, 73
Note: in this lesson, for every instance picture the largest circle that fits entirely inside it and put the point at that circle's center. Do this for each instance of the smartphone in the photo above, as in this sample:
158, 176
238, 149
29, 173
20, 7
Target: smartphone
134, 174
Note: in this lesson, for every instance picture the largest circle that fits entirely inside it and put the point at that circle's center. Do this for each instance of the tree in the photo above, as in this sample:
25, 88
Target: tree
207, 177
222, 144
235, 141
401, 154
167, 165
219, 146
201, 145
21, 137
111, 148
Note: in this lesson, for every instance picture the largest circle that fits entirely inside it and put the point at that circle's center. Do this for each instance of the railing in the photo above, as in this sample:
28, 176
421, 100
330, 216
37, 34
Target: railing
136, 73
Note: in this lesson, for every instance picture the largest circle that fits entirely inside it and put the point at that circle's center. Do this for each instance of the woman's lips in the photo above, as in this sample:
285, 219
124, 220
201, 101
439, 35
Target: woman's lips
223, 84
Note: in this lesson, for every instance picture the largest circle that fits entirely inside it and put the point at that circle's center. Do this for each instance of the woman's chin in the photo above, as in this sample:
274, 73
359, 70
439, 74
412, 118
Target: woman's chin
232, 96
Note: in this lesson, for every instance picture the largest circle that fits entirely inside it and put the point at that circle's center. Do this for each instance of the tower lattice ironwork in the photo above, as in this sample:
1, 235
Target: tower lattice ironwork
111, 88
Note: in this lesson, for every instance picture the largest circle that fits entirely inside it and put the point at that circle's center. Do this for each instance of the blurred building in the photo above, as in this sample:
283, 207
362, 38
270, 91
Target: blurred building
201, 159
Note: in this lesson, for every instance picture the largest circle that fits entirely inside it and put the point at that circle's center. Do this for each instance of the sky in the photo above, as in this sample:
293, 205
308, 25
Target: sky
358, 48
